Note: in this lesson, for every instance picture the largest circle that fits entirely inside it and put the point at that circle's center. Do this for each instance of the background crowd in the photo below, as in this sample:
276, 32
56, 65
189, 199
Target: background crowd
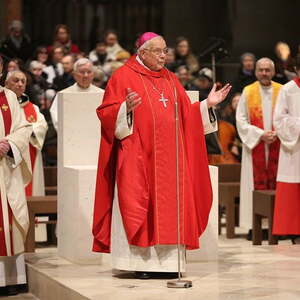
49, 69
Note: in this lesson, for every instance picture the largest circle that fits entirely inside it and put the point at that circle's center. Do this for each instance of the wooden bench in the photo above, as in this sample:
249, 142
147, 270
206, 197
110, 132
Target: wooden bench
50, 174
263, 207
229, 190
38, 205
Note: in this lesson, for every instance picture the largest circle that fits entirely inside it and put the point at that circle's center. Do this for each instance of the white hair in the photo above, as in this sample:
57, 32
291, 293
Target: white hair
13, 73
81, 62
266, 60
147, 44
35, 64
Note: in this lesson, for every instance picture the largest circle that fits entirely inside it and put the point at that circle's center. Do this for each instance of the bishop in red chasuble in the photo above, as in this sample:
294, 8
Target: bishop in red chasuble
136, 180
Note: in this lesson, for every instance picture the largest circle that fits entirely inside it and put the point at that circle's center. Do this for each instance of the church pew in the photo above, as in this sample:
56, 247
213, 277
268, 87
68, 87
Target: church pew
50, 174
229, 190
41, 205
263, 207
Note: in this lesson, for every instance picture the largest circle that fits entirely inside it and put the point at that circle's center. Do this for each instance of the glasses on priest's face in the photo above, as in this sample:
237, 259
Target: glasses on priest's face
158, 51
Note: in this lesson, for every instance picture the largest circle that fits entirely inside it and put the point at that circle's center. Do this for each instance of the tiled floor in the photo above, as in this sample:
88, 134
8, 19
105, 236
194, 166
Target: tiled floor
243, 272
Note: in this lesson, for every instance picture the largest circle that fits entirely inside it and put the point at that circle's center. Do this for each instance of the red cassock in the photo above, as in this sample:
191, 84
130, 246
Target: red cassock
143, 165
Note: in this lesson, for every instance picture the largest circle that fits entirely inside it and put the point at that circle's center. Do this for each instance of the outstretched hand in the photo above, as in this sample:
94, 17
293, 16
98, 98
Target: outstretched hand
215, 97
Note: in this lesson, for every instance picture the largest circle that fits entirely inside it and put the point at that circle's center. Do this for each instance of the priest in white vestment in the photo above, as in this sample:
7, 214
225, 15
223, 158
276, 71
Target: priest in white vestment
287, 123
83, 74
16, 81
15, 169
131, 106
260, 143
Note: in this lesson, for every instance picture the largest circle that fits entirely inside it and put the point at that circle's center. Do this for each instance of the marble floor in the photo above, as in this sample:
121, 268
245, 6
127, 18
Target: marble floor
243, 272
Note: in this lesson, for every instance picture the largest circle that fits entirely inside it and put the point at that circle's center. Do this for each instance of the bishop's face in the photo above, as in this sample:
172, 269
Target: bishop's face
154, 56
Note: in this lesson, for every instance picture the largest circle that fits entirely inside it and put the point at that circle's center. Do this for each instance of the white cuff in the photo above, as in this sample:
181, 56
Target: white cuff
123, 129
17, 158
207, 125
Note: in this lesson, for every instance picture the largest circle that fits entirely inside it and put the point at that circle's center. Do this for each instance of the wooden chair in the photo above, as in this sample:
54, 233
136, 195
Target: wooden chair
38, 205
229, 190
263, 206
50, 174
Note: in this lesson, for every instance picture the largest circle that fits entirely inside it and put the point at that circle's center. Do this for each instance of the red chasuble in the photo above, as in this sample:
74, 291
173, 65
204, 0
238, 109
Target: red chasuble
144, 164
6, 116
31, 117
264, 172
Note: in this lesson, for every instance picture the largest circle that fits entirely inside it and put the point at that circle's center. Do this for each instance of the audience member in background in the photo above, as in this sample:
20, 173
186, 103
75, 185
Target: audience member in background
246, 74
62, 37
14, 64
16, 43
287, 124
228, 132
112, 44
185, 78
16, 82
41, 55
55, 67
99, 78
170, 60
184, 55
83, 75
121, 58
37, 84
66, 79
284, 63
204, 82
254, 119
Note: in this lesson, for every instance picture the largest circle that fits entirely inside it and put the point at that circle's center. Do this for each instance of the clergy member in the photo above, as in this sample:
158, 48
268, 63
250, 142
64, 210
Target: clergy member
260, 143
83, 75
15, 169
287, 125
16, 81
135, 214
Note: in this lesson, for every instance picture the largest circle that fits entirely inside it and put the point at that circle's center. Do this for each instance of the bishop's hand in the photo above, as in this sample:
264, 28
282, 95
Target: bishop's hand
132, 100
215, 97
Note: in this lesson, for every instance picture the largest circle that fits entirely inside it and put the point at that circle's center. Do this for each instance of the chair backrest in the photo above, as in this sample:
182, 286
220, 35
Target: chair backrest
229, 172
50, 174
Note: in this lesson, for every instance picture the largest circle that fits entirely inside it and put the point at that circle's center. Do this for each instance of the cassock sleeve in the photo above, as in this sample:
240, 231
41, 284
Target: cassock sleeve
40, 128
287, 127
209, 119
16, 156
53, 112
250, 134
124, 123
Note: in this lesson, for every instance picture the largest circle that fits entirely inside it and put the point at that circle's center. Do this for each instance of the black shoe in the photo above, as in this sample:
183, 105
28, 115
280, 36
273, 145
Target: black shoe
249, 235
142, 275
166, 275
12, 290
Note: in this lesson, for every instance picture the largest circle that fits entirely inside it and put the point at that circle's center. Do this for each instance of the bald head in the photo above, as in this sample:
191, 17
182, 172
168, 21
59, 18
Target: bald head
16, 81
264, 71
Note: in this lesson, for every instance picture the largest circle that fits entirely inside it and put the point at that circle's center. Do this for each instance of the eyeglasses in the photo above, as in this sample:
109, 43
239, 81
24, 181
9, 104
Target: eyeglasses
158, 51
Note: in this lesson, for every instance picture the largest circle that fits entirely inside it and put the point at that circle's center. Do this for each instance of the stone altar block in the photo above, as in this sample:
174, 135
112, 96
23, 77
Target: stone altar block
78, 147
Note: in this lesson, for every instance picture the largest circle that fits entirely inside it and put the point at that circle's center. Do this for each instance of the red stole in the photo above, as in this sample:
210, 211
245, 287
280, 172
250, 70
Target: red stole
31, 117
143, 164
6, 114
264, 173
297, 80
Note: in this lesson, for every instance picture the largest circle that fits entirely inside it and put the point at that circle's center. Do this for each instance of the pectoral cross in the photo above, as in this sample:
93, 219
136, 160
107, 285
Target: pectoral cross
4, 107
163, 99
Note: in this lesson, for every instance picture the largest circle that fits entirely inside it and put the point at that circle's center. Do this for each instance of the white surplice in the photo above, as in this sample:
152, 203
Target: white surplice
159, 258
250, 136
287, 125
13, 173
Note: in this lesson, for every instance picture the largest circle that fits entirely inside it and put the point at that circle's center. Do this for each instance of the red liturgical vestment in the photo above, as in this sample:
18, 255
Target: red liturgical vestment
143, 165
